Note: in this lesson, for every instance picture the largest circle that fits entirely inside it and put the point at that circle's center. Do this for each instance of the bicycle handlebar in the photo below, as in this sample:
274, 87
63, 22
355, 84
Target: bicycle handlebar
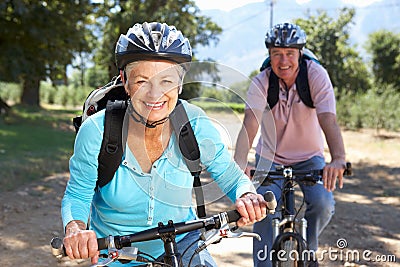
214, 222
120, 248
286, 172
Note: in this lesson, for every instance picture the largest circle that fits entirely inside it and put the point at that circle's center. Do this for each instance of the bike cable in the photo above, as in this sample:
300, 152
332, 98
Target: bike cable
186, 250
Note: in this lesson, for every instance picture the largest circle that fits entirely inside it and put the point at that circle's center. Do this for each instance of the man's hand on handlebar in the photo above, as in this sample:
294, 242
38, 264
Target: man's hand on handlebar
80, 243
252, 208
332, 171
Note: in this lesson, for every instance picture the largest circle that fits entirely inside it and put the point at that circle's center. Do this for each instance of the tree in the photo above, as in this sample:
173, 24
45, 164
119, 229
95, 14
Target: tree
38, 39
96, 77
120, 15
384, 46
329, 40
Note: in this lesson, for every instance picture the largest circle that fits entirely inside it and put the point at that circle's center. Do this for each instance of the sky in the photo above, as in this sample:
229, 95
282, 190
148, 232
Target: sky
232, 4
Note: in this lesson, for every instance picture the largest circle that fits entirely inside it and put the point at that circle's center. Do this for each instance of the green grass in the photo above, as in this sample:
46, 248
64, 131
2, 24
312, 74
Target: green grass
34, 143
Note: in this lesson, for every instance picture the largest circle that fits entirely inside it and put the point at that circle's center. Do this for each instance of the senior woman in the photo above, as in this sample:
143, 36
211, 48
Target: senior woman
151, 184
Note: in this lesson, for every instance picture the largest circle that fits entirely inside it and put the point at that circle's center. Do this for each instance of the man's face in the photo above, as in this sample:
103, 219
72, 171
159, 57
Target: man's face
285, 63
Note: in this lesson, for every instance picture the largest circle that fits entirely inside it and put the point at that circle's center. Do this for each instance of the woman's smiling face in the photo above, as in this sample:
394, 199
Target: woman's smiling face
153, 87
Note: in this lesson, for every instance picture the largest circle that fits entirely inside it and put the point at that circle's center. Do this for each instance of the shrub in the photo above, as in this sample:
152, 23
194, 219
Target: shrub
378, 108
10, 92
63, 95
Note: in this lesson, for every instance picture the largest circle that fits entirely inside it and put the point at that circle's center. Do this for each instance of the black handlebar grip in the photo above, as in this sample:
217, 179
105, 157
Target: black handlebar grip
349, 170
102, 243
57, 247
269, 197
233, 216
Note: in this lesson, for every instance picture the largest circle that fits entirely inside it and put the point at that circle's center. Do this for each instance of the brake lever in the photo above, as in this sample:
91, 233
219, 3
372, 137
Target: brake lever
128, 253
214, 236
125, 253
107, 261
243, 234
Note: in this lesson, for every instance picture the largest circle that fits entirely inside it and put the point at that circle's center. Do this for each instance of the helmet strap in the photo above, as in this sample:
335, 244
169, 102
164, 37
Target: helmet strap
125, 77
300, 56
141, 119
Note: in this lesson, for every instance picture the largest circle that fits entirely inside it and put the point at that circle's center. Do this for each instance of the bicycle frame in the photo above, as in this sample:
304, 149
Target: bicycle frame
284, 233
287, 222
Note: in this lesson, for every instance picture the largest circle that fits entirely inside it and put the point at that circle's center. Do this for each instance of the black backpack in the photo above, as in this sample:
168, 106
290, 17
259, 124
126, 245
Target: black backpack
113, 98
302, 85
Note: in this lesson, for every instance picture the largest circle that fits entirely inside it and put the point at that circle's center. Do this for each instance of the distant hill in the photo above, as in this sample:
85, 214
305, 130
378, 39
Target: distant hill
241, 45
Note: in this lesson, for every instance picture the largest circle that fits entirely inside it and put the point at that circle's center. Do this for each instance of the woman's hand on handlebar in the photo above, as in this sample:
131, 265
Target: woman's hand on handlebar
80, 243
252, 207
332, 171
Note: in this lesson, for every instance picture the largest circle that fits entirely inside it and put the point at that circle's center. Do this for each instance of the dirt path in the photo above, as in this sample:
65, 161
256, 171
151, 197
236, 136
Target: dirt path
367, 214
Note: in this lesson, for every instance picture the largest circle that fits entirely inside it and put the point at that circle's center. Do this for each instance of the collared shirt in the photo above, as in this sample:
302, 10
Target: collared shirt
291, 133
133, 200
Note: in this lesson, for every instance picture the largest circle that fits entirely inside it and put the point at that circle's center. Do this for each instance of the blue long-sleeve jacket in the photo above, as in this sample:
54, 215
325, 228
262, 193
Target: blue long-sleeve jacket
133, 200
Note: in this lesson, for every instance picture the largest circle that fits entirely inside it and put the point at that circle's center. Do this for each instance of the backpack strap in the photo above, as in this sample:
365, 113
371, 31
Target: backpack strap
302, 85
111, 150
190, 150
273, 90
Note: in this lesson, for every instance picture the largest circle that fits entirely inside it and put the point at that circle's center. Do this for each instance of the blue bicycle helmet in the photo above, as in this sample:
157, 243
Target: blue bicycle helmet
152, 41
285, 35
